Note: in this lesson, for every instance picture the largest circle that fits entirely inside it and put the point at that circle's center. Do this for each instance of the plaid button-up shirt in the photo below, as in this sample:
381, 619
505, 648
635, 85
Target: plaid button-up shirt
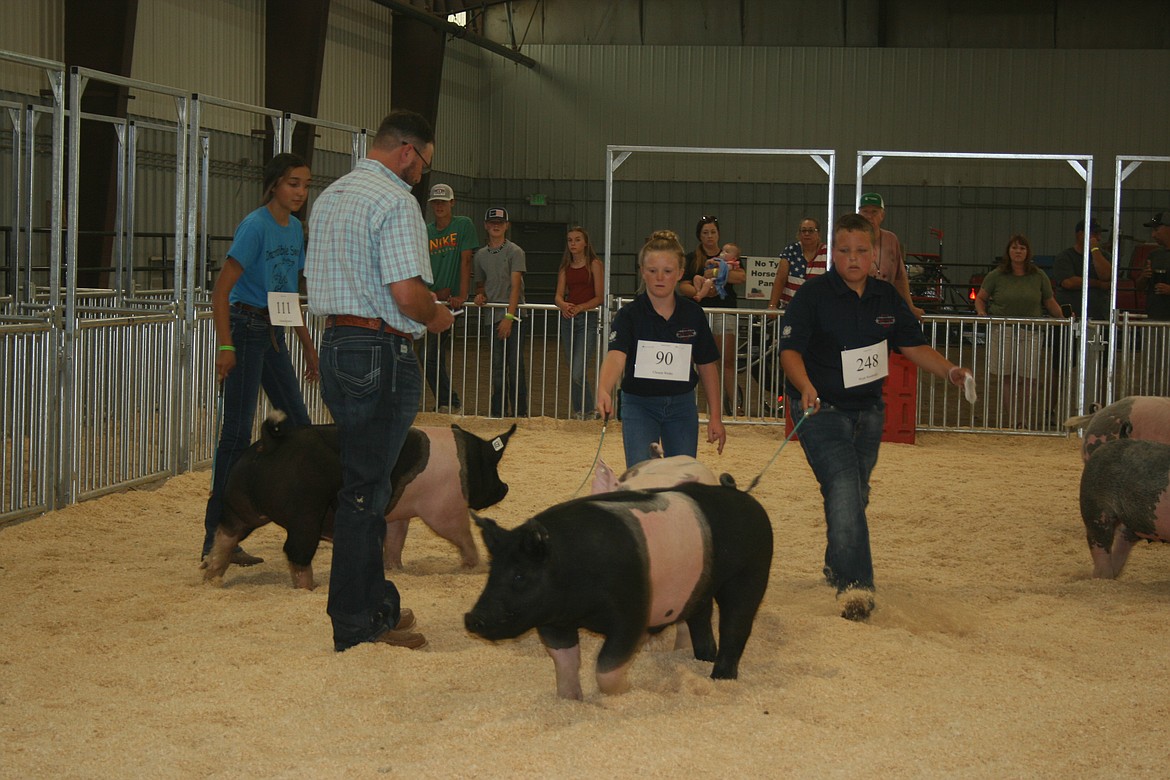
366, 231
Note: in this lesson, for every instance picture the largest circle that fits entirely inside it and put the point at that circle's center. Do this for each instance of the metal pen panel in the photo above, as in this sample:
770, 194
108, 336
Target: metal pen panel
125, 406
27, 475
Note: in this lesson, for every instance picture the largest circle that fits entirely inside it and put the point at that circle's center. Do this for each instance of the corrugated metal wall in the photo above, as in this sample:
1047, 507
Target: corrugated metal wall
356, 74
32, 27
555, 120
506, 132
213, 47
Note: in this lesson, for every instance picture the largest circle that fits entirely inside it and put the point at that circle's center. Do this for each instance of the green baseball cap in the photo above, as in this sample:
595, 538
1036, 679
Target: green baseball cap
872, 199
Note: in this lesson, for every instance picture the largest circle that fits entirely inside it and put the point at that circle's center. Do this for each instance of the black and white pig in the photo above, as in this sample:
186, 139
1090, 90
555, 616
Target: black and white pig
624, 565
1144, 417
1125, 496
291, 476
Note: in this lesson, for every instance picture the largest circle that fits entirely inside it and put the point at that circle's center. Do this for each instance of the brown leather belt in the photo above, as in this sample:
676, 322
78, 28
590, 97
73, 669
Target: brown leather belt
369, 323
258, 311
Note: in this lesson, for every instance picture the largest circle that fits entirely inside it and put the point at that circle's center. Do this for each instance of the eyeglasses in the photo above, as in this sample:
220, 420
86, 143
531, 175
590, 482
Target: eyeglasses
705, 220
808, 230
426, 163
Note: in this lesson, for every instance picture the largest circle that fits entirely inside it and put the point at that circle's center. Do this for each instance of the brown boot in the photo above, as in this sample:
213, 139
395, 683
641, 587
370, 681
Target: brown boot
406, 620
396, 638
241, 558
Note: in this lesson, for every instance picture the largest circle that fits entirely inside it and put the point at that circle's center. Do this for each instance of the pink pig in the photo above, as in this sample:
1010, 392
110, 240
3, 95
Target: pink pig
441, 473
653, 473
1142, 417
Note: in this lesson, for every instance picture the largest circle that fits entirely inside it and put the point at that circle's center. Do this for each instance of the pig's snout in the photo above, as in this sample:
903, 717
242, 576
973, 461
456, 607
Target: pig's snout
475, 623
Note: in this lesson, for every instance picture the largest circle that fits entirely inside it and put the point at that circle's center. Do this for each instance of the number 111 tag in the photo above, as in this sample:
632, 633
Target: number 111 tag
284, 308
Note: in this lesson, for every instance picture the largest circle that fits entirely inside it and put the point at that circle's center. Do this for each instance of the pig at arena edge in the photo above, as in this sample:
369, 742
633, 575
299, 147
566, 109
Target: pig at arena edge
1125, 497
292, 474
1143, 417
625, 565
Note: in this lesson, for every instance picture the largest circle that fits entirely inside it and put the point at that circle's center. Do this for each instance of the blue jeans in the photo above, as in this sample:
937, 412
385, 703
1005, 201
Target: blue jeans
648, 418
841, 447
509, 385
436, 355
262, 361
579, 341
372, 385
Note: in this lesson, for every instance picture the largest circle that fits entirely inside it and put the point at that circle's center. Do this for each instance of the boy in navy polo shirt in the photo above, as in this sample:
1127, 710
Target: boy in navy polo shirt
835, 343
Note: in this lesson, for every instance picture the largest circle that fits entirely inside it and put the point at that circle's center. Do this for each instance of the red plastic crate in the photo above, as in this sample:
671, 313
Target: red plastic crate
900, 392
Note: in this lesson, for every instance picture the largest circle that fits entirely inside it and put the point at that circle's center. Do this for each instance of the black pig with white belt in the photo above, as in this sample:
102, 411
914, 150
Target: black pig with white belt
624, 565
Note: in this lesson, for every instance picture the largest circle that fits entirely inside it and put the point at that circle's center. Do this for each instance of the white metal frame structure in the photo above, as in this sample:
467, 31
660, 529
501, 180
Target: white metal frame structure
1124, 165
1081, 163
615, 155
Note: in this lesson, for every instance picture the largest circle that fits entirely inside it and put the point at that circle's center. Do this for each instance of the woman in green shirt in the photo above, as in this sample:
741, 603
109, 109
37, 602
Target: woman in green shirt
1016, 288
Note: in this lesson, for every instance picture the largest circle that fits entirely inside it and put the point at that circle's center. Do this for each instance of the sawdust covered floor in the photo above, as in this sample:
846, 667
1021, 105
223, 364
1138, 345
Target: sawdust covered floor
992, 653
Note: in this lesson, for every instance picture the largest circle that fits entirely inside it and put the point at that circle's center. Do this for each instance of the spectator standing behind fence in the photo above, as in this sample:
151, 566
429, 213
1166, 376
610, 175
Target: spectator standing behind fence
660, 346
1016, 288
717, 270
1068, 266
368, 272
835, 351
452, 242
889, 264
804, 258
580, 288
499, 278
1156, 273
267, 255
723, 327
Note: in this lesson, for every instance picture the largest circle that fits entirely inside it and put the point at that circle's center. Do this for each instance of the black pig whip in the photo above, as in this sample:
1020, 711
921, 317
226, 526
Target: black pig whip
218, 423
604, 425
780, 449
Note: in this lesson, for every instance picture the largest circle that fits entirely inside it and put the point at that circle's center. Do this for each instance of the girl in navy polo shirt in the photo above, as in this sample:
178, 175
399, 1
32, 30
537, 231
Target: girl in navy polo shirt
661, 345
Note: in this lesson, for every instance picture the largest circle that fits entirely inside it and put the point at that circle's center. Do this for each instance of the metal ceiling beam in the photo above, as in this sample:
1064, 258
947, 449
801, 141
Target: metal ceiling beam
455, 31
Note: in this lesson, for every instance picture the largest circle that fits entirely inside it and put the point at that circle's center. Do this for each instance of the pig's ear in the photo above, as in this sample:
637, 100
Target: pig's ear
488, 527
604, 480
534, 543
507, 435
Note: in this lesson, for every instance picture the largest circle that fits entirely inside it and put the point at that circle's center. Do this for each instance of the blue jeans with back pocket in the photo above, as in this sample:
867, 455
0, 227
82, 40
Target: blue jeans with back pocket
371, 382
671, 419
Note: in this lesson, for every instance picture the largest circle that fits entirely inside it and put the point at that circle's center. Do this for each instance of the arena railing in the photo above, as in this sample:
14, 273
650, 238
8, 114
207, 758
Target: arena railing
27, 416
128, 381
126, 403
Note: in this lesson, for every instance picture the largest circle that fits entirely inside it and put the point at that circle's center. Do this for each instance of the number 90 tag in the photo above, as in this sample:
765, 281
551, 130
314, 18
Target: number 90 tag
663, 360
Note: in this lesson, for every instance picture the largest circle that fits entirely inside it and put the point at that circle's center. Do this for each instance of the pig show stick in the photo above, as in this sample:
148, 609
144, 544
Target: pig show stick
780, 449
596, 455
218, 423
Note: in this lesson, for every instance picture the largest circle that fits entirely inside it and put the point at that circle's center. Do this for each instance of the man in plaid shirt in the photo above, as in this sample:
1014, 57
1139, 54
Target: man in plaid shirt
368, 271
